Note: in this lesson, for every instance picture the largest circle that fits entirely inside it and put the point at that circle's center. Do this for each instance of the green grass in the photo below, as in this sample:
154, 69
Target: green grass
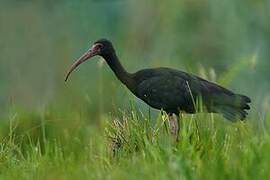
131, 146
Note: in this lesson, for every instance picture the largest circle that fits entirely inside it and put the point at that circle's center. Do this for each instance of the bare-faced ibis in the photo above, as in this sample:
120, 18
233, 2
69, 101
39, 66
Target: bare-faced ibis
171, 90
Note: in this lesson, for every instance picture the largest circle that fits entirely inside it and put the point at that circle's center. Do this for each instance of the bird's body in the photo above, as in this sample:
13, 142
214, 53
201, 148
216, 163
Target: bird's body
171, 90
175, 91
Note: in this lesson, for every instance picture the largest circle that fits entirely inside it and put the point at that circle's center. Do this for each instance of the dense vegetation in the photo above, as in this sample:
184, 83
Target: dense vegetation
131, 146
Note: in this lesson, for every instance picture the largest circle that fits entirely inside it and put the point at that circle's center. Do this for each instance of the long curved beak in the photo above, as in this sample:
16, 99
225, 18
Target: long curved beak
90, 53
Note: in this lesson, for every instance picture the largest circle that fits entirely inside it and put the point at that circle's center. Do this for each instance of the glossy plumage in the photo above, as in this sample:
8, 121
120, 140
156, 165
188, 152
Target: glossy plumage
175, 91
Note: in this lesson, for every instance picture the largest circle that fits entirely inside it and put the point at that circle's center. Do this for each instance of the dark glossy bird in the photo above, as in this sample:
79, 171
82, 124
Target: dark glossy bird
171, 90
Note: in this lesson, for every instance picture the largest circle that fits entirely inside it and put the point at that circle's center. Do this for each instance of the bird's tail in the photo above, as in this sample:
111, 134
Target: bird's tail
234, 107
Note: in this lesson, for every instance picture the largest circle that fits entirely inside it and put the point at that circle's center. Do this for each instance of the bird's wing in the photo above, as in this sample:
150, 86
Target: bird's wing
221, 100
166, 92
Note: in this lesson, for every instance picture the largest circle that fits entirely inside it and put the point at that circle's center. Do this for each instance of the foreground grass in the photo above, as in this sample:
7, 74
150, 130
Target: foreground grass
131, 146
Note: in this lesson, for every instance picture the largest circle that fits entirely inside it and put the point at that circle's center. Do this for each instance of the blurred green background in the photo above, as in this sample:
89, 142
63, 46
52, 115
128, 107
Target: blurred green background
225, 41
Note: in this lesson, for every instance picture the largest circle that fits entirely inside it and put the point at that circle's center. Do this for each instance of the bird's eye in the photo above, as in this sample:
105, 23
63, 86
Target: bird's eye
97, 47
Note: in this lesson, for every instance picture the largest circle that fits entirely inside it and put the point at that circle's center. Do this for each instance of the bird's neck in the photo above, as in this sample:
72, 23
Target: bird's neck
120, 72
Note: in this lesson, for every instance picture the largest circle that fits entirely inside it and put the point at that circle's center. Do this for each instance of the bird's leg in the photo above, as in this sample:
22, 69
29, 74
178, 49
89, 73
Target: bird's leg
174, 125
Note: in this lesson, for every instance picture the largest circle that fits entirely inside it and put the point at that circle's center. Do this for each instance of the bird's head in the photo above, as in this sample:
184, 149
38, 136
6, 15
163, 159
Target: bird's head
102, 47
